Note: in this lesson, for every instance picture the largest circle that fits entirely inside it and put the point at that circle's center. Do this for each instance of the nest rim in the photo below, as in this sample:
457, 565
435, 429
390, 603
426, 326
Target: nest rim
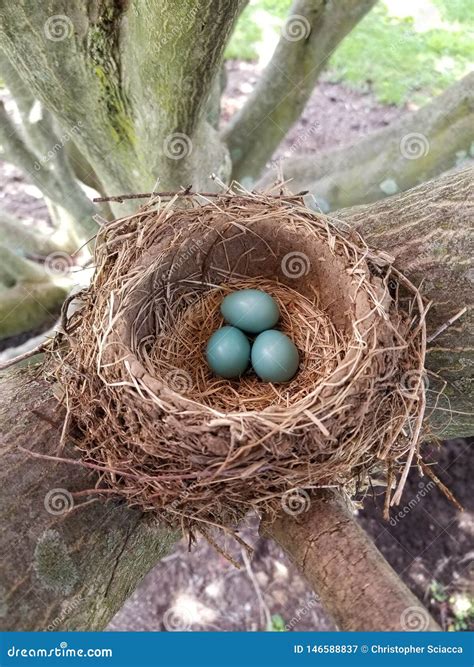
161, 213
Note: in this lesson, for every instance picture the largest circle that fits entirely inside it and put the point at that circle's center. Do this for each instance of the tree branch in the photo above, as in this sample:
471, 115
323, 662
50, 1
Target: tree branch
58, 185
285, 86
116, 72
356, 585
28, 305
18, 268
418, 146
16, 235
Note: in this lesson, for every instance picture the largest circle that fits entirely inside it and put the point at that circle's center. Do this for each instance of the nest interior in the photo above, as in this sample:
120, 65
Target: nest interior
202, 451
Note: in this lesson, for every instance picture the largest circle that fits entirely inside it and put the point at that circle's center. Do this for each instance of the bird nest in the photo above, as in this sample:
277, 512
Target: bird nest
167, 435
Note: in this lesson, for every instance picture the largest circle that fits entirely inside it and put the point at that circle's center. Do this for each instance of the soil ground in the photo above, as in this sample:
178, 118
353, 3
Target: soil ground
431, 546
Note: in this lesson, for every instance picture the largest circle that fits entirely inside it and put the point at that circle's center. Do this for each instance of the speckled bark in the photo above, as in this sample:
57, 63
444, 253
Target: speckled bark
72, 570
418, 146
355, 583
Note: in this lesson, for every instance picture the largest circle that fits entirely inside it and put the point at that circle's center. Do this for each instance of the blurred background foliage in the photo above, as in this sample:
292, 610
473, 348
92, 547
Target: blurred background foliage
405, 51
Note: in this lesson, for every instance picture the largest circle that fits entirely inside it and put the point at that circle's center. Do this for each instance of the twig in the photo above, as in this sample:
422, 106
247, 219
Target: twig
185, 193
447, 324
444, 489
21, 357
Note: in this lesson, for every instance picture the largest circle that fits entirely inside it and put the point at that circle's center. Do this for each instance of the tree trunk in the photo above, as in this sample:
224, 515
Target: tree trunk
356, 585
74, 570
110, 69
418, 146
24, 240
60, 569
28, 296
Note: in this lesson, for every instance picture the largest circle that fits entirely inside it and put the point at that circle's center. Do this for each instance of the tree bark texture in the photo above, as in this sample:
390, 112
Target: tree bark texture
28, 295
355, 583
63, 566
133, 79
429, 231
37, 149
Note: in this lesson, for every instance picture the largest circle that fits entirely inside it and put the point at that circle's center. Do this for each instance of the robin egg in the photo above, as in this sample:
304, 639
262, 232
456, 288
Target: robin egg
274, 356
228, 352
251, 310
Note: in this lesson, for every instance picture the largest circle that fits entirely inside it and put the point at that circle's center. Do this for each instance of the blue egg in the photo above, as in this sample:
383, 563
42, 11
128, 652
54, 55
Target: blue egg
274, 356
251, 310
228, 352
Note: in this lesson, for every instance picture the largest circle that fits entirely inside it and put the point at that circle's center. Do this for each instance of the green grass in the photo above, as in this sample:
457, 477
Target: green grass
394, 56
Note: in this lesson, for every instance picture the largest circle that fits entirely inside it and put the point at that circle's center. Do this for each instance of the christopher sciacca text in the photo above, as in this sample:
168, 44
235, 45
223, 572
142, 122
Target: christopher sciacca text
405, 650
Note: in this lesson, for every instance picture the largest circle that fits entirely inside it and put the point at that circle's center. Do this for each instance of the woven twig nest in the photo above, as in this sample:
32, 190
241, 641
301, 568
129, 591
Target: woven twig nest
198, 450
